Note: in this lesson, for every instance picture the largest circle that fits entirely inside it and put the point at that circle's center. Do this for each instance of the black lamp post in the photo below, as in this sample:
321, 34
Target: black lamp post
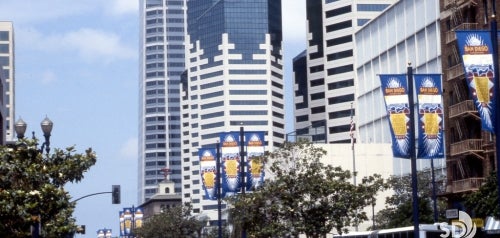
20, 128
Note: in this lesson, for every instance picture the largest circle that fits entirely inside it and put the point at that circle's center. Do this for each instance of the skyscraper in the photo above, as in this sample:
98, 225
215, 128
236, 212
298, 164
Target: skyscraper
330, 66
161, 65
234, 78
8, 86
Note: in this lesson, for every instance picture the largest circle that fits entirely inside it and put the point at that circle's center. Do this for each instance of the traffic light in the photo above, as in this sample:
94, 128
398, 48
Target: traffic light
115, 194
80, 229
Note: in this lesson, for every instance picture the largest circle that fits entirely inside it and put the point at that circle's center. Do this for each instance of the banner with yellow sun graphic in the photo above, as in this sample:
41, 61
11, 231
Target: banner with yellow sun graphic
476, 50
254, 142
230, 162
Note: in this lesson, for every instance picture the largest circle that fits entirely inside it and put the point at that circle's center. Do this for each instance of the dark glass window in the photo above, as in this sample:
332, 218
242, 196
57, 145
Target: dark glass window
338, 11
317, 82
4, 35
339, 26
339, 55
340, 69
372, 7
316, 96
302, 118
315, 69
4, 48
341, 99
338, 129
340, 114
338, 41
341, 84
316, 110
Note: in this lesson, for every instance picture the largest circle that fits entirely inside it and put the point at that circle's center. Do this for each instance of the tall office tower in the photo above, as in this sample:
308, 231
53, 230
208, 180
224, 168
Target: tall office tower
7, 64
234, 78
330, 56
162, 63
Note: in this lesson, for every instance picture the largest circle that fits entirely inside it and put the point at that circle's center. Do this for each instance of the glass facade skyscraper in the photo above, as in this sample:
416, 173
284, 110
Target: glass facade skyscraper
234, 78
161, 65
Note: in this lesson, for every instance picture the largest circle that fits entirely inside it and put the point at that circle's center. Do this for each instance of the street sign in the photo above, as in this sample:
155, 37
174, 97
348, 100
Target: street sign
451, 213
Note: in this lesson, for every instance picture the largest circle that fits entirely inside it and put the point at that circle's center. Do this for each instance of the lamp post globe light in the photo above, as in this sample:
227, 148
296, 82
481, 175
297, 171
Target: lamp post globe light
46, 125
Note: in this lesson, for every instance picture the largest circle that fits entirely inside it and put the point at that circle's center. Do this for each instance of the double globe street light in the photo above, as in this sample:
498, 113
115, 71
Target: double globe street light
46, 125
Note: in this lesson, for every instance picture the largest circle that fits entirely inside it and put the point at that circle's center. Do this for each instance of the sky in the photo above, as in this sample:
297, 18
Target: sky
77, 64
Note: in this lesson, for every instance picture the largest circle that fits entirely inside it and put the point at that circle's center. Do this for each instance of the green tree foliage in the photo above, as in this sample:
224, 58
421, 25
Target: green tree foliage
302, 196
32, 189
172, 223
484, 202
398, 211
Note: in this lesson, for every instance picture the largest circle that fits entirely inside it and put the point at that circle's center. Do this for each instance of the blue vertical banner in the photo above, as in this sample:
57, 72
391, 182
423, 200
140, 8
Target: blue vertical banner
208, 167
230, 162
430, 115
138, 216
254, 142
127, 221
395, 91
477, 54
122, 223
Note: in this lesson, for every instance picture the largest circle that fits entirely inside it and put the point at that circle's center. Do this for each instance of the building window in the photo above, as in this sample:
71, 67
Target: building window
341, 84
341, 99
338, 11
315, 69
316, 96
4, 36
4, 48
340, 114
339, 55
339, 26
339, 40
316, 110
371, 7
340, 69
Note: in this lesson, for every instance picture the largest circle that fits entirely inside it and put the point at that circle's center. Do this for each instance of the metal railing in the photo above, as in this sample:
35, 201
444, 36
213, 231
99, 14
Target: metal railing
465, 185
466, 146
454, 72
450, 36
462, 108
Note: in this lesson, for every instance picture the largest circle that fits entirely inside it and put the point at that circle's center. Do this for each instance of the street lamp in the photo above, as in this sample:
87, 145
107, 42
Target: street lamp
20, 128
46, 126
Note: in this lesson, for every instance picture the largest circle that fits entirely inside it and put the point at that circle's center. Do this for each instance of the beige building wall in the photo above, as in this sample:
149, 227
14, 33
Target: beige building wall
369, 159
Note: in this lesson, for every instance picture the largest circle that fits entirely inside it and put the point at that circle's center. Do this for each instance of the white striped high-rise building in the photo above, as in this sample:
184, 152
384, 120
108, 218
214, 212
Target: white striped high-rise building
162, 35
325, 88
234, 79
7, 89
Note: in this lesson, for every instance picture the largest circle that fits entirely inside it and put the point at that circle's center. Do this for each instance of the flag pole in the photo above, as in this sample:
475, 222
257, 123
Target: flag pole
351, 133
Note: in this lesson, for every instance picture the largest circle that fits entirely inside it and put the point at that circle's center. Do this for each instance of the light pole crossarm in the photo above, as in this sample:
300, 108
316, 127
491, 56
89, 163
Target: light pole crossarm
90, 195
